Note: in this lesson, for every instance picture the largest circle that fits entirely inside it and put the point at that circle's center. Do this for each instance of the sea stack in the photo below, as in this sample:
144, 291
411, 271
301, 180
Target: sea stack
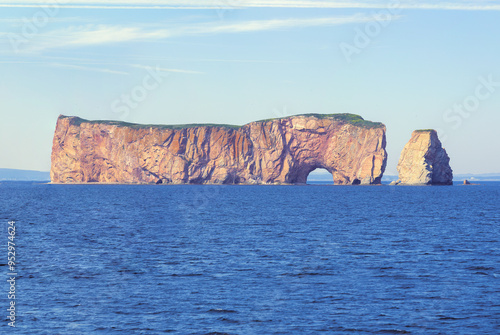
276, 151
424, 161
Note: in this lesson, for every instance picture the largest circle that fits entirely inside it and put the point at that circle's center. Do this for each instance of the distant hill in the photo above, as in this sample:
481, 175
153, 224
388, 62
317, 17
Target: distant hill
324, 176
24, 175
459, 177
477, 177
321, 175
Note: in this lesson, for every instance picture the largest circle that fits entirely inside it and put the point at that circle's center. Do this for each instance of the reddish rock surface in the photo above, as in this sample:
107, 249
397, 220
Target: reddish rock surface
424, 161
282, 150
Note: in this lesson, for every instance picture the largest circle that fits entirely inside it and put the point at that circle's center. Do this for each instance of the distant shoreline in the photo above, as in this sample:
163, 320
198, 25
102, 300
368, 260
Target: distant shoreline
15, 175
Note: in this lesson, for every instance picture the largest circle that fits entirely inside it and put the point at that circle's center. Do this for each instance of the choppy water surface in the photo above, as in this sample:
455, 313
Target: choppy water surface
254, 259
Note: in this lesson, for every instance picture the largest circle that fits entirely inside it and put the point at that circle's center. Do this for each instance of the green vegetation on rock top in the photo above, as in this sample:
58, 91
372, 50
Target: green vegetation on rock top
78, 121
345, 117
424, 130
353, 119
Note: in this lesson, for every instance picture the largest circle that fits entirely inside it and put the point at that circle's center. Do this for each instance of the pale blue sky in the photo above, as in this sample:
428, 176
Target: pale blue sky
418, 65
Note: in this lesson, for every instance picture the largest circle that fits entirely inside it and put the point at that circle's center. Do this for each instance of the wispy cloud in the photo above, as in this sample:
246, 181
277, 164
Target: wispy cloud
90, 35
87, 68
20, 21
161, 69
103, 34
69, 66
206, 4
98, 66
264, 25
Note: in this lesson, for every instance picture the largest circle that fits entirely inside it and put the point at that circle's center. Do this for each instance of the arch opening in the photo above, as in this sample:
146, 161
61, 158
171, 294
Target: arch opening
319, 176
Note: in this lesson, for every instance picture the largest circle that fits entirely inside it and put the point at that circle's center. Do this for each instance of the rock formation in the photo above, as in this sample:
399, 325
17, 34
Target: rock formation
282, 150
424, 161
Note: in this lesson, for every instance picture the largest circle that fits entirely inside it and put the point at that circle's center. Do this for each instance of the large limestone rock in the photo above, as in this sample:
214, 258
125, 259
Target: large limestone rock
424, 161
282, 150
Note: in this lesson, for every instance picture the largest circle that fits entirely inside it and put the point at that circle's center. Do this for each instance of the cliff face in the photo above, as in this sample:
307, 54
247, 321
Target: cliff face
424, 161
275, 151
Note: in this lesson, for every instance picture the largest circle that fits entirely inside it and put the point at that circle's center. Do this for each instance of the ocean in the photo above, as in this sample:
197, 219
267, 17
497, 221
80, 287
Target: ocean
311, 259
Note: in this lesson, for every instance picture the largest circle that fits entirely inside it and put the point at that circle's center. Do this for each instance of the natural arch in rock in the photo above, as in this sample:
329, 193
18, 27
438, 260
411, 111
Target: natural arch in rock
275, 151
320, 176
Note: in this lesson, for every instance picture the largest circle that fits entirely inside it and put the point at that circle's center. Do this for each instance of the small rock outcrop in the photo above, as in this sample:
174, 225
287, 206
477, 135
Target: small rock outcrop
424, 161
281, 150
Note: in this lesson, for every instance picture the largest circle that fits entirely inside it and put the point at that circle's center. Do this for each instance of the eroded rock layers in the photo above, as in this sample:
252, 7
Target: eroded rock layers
282, 150
424, 161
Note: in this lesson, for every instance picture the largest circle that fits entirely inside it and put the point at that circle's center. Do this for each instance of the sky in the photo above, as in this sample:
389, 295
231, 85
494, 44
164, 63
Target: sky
408, 64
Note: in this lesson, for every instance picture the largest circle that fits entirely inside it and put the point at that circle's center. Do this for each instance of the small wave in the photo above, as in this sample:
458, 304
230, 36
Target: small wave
83, 277
187, 275
304, 274
157, 312
228, 320
480, 268
393, 331
450, 318
258, 321
220, 310
354, 330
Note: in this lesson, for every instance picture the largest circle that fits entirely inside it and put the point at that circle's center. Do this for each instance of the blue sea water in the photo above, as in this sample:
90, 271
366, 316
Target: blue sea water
118, 259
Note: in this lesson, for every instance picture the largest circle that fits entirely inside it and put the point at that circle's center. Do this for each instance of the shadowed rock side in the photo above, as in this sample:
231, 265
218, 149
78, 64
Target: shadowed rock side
282, 150
424, 161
